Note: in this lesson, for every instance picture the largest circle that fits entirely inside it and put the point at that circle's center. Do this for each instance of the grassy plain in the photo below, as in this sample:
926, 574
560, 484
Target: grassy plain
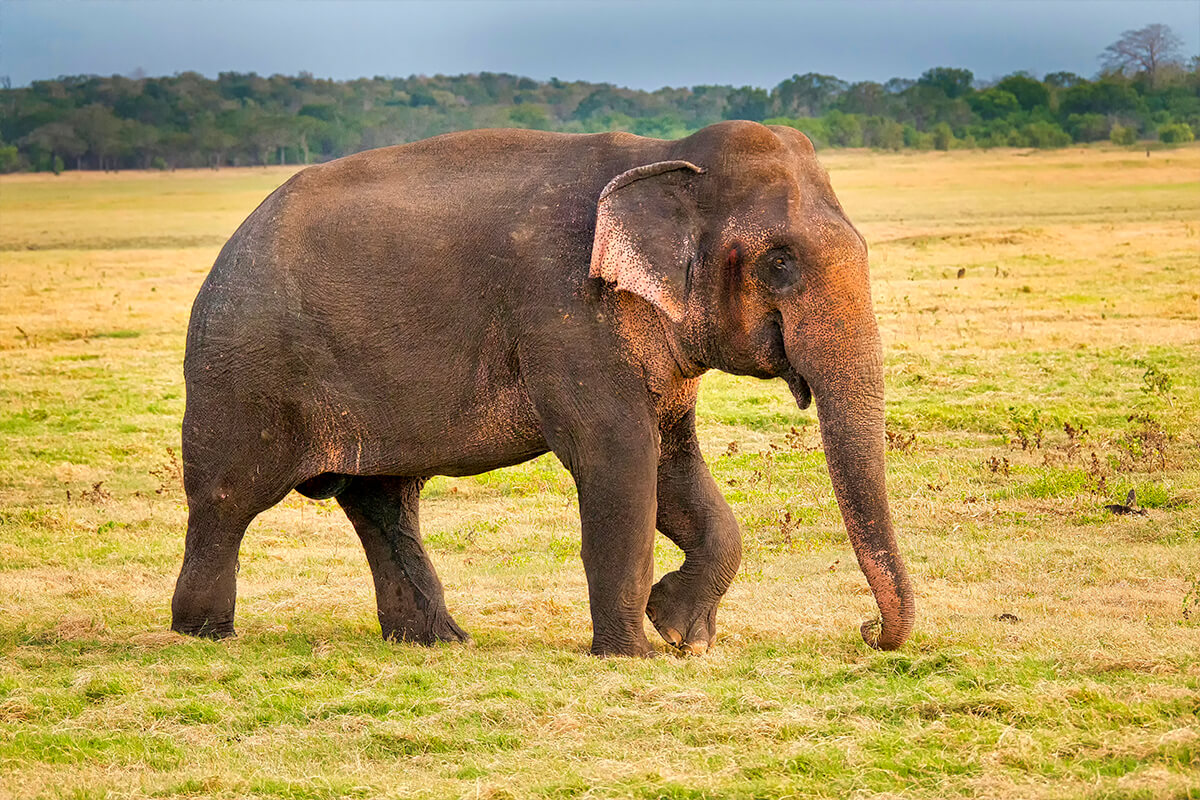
1057, 652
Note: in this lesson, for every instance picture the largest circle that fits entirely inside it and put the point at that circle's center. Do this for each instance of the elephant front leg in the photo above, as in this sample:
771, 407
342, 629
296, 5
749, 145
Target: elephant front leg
693, 514
617, 508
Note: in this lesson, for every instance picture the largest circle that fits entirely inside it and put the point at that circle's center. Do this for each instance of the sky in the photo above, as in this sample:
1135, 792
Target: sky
645, 45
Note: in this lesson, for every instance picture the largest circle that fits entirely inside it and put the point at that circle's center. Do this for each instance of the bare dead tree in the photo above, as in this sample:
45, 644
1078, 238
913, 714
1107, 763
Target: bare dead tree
1144, 50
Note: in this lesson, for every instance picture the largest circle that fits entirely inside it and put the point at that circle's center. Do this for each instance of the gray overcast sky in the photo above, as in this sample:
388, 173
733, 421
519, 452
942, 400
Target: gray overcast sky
640, 44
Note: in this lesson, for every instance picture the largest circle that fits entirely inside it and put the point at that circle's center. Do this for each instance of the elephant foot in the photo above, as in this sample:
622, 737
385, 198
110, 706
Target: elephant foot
442, 629
638, 649
686, 622
205, 628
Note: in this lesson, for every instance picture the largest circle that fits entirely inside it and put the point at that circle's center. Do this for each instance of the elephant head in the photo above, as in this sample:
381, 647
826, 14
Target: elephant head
739, 241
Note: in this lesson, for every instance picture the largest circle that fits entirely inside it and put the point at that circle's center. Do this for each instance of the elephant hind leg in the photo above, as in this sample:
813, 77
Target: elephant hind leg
218, 514
412, 606
232, 472
206, 589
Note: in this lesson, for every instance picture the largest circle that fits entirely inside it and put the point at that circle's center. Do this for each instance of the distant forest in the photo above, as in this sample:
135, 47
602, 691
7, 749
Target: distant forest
188, 120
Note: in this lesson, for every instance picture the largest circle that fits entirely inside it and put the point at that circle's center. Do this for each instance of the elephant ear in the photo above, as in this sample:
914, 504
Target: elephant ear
646, 233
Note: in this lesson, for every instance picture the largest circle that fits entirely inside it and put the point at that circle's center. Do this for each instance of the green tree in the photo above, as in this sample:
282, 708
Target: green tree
1062, 80
529, 116
10, 157
807, 95
667, 126
141, 140
1044, 134
748, 102
994, 102
1102, 97
1123, 135
953, 82
100, 130
56, 140
1029, 93
884, 133
1088, 127
943, 136
1175, 133
843, 130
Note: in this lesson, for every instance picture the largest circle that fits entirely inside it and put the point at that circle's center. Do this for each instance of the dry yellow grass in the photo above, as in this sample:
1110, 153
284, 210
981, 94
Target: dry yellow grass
1080, 304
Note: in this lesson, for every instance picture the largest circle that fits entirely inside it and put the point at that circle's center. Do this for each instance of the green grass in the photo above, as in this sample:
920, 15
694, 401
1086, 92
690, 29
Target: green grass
1057, 651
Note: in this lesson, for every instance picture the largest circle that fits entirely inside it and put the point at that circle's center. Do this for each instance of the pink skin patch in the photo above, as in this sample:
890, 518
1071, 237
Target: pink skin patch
617, 258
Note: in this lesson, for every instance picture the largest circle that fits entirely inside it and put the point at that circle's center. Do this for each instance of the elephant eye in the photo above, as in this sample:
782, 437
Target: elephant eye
779, 271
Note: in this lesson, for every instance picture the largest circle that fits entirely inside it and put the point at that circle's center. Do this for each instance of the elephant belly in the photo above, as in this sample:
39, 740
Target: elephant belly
496, 429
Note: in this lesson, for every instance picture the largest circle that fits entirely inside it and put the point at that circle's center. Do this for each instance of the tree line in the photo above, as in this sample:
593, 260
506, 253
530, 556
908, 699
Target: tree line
188, 120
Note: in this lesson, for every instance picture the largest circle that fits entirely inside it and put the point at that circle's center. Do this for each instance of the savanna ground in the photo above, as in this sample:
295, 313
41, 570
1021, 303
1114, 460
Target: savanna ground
1041, 320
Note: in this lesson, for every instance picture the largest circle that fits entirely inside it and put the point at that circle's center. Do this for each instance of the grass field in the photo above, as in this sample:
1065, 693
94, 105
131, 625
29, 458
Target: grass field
1041, 322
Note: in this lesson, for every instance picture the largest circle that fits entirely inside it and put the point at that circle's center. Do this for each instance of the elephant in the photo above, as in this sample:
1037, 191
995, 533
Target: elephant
477, 299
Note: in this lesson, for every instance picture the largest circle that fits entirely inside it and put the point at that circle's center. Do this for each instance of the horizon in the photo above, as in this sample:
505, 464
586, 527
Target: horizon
900, 40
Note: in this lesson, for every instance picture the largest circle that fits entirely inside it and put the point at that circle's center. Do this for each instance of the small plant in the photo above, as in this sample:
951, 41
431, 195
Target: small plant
169, 474
1028, 428
787, 526
998, 466
1098, 473
765, 473
1147, 443
1075, 436
1155, 381
97, 495
1191, 599
795, 439
900, 442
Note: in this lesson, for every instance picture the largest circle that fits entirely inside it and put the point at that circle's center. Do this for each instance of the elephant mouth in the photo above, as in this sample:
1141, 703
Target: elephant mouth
800, 390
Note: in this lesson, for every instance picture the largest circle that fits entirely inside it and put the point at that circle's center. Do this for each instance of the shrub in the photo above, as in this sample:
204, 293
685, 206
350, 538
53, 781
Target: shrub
1088, 127
914, 138
530, 116
1175, 133
812, 127
667, 126
1122, 134
10, 158
844, 130
994, 103
943, 136
883, 133
1030, 93
1045, 135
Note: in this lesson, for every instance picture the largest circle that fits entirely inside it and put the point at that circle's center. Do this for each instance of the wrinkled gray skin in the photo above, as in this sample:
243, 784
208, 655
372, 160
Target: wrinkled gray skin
474, 300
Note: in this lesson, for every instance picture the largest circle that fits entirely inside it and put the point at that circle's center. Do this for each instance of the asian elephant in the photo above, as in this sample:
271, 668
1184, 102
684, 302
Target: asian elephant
474, 300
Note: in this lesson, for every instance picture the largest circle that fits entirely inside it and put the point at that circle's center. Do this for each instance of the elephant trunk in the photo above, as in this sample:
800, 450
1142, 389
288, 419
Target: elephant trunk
847, 382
